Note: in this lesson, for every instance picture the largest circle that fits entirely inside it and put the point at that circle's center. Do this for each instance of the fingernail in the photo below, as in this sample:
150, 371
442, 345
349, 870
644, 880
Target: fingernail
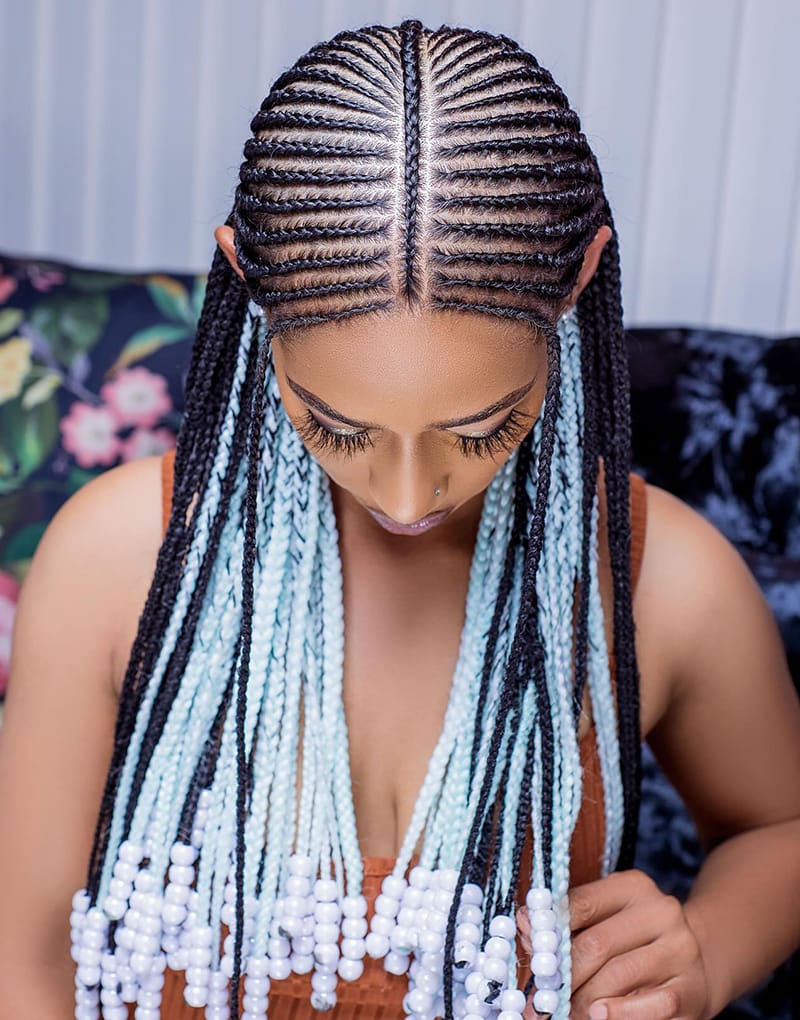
599, 1011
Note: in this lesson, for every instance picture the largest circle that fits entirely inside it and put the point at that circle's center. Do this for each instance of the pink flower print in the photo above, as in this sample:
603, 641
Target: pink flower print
9, 591
143, 443
137, 397
8, 285
90, 435
44, 279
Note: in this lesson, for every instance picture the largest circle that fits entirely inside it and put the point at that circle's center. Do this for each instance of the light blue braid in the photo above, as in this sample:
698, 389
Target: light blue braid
297, 584
191, 569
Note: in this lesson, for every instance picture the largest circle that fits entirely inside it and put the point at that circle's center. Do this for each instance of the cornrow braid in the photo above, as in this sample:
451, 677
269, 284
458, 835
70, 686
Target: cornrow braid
388, 168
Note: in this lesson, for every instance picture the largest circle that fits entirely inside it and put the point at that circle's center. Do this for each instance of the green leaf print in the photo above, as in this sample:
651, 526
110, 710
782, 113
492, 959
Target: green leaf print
145, 342
10, 318
70, 324
171, 298
26, 439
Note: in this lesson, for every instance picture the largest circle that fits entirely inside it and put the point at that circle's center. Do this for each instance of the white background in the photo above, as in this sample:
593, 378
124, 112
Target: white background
122, 124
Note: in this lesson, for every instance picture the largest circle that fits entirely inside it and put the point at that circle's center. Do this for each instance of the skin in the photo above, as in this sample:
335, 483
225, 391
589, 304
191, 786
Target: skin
718, 707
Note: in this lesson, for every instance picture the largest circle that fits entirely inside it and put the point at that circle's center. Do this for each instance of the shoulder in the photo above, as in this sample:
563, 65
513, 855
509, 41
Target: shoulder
105, 540
705, 629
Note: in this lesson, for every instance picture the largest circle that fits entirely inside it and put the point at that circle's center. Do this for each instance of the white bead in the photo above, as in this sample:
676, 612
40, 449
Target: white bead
419, 877
544, 941
543, 920
199, 956
354, 927
468, 933
377, 945
472, 894
255, 1003
258, 966
386, 906
539, 899
182, 854
447, 878
115, 907
551, 982
280, 968
509, 1014
442, 900
201, 936
130, 852
302, 963
393, 886
323, 982
257, 986
151, 982
477, 1006
325, 889
324, 932
148, 1001
145, 882
303, 945
396, 963
419, 1001
115, 1013
503, 925
181, 874
465, 952
86, 1013
300, 864
495, 969
473, 982
382, 925
350, 970
354, 906
437, 922
545, 964
403, 939
326, 912
93, 939
297, 885
430, 941
177, 894
512, 999
327, 953
173, 913
278, 948
217, 1013
195, 996
88, 976
413, 897
95, 918
323, 1001
353, 949
428, 981
545, 1000
498, 947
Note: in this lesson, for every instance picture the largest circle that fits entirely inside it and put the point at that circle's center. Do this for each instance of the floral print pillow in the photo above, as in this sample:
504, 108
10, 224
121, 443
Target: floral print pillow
92, 369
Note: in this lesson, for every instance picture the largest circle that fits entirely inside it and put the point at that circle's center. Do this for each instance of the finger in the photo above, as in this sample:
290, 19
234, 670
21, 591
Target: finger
661, 1003
595, 901
625, 931
645, 967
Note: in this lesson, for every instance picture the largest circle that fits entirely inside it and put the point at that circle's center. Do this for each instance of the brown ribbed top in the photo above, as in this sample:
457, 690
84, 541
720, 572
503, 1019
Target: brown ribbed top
377, 995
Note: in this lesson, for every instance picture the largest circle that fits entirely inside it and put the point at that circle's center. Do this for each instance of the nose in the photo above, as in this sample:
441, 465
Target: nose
403, 486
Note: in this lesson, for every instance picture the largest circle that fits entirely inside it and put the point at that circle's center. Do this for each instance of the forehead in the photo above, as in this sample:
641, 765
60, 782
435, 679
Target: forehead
447, 361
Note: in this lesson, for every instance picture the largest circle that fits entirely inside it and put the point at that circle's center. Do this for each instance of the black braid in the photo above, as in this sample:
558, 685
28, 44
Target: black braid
512, 198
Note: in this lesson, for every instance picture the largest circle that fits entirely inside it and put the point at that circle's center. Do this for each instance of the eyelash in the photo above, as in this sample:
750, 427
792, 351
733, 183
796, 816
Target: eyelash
504, 437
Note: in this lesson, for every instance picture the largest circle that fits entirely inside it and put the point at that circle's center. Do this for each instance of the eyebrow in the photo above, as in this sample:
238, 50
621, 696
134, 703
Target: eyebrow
470, 419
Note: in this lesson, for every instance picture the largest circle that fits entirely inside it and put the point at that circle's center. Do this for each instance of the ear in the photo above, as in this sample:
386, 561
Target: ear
591, 260
224, 238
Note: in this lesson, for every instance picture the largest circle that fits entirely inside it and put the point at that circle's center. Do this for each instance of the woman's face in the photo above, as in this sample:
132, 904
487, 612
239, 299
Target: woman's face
395, 406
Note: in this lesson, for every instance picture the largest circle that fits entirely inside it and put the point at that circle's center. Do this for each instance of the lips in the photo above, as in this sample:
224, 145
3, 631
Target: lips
425, 524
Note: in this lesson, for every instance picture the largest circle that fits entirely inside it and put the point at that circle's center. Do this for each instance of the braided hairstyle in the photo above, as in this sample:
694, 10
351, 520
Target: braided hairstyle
438, 170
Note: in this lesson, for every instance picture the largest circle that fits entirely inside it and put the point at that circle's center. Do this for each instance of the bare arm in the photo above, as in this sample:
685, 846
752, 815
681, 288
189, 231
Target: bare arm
57, 735
730, 742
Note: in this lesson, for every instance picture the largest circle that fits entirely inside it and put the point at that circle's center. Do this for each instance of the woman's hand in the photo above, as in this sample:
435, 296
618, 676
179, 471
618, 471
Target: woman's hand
634, 955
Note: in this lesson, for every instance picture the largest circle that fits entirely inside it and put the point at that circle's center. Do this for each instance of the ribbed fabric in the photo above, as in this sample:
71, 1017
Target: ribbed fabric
377, 995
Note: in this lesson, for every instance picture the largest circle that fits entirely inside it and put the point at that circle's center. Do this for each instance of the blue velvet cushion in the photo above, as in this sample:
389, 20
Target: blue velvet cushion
92, 370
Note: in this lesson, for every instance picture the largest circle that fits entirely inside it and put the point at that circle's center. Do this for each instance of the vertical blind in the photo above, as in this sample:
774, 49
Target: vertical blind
123, 125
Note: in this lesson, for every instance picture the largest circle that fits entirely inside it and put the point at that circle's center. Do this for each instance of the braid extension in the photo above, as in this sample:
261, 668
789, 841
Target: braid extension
207, 740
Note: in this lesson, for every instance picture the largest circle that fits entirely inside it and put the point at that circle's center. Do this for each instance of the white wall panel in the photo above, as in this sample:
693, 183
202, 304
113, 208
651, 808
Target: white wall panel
122, 127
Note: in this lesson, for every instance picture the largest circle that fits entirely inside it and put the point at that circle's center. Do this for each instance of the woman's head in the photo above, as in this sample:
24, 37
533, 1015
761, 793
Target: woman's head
409, 167
415, 211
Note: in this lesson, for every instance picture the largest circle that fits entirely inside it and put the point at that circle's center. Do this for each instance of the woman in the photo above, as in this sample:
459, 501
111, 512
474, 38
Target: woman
389, 641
